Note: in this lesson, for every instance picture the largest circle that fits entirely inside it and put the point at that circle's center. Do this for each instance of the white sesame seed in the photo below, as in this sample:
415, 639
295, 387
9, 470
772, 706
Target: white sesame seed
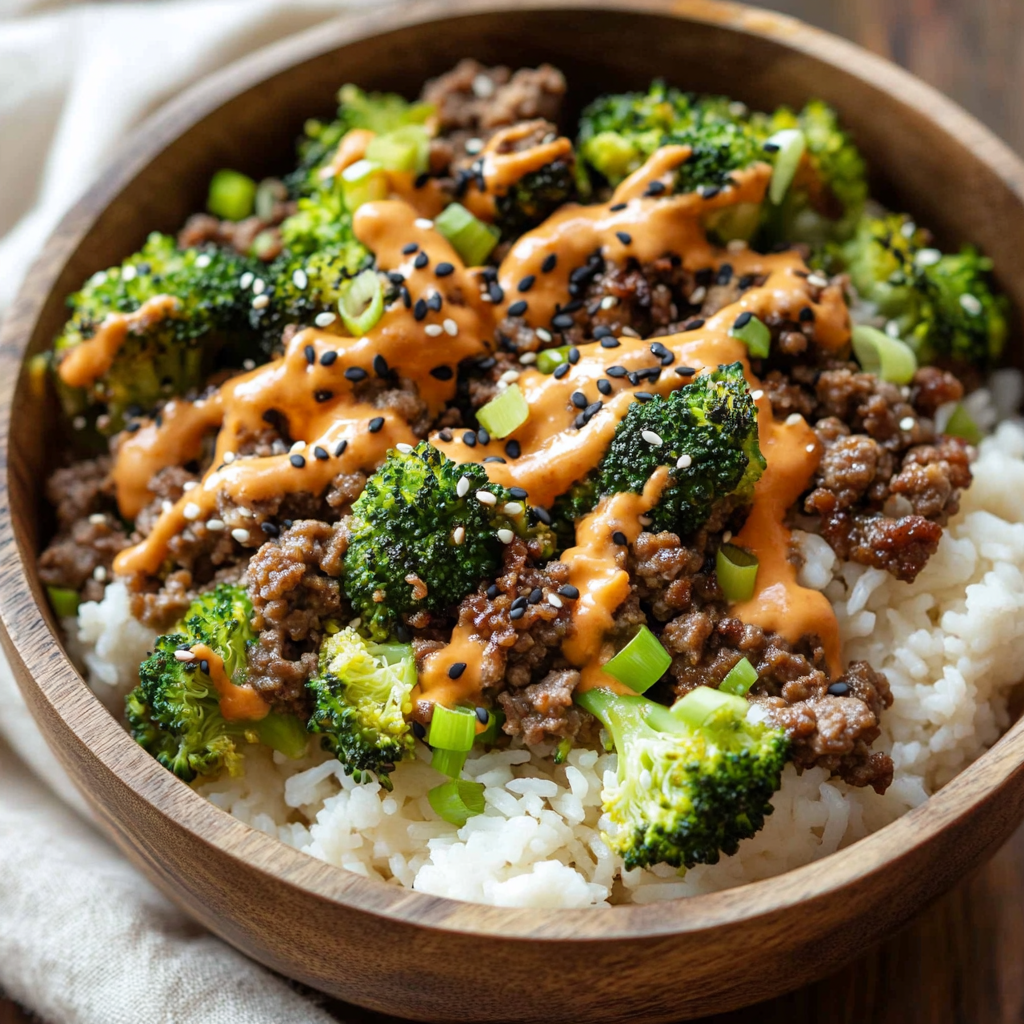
756, 395
505, 536
100, 277
203, 260
907, 423
727, 536
165, 506
450, 326
129, 273
609, 302
189, 485
509, 377
325, 319
817, 281
248, 364
543, 334
644, 520
907, 230
244, 512
459, 534
78, 423
512, 508
300, 279
971, 304
228, 456
892, 329
645, 779
697, 295
684, 462
473, 146
486, 498
528, 357
483, 87
628, 332
191, 510
184, 656
485, 297
554, 600
246, 279
297, 446
927, 257
794, 419
216, 525
242, 536
403, 447
422, 222
259, 286
736, 245
651, 437
462, 487
97, 519
99, 573
810, 448
355, 623
261, 302
432, 330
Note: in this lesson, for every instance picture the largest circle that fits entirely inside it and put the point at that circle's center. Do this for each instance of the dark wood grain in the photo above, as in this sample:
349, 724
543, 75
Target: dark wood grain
404, 951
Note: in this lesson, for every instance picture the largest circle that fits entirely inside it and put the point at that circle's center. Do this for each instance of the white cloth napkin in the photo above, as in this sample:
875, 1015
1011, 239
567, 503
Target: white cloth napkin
84, 939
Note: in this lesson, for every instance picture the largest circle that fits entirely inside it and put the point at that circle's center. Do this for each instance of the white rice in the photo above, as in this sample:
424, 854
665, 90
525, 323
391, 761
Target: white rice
951, 644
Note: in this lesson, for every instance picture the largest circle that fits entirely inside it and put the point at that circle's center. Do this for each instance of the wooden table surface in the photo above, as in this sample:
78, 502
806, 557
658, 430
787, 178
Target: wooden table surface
961, 961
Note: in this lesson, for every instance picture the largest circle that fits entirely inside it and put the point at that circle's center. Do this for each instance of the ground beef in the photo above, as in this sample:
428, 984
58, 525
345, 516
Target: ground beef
545, 709
474, 98
293, 584
80, 490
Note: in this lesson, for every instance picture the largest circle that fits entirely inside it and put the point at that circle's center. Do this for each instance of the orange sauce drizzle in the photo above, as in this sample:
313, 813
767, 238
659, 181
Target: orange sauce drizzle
237, 703
434, 682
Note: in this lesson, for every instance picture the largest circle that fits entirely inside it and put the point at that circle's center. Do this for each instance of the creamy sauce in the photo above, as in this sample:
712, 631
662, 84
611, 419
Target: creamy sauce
237, 703
554, 452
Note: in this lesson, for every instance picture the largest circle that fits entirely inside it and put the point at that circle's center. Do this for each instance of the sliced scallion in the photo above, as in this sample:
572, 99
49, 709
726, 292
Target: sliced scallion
501, 415
563, 749
960, 424
791, 145
737, 572
231, 196
753, 333
740, 679
703, 703
888, 358
471, 238
63, 600
452, 728
641, 663
363, 182
361, 303
403, 149
457, 800
448, 762
552, 358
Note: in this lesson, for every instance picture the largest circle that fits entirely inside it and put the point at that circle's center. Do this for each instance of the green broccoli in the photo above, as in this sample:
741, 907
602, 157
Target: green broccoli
708, 439
534, 198
942, 305
361, 696
174, 713
692, 780
215, 323
421, 538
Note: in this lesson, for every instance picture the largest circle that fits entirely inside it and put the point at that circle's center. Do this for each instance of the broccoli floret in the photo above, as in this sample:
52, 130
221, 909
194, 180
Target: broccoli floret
361, 696
534, 198
708, 434
213, 324
692, 781
942, 305
418, 540
174, 713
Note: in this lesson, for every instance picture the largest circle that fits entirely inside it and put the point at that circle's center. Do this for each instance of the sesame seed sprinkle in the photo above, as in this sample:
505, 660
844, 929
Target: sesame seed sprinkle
422, 222
505, 536
184, 656
215, 525
241, 535
375, 424
462, 487
651, 437
459, 534
404, 448
451, 328
684, 462
486, 498
300, 279
261, 302
191, 510
794, 419
433, 330
325, 319
554, 600
907, 423
512, 508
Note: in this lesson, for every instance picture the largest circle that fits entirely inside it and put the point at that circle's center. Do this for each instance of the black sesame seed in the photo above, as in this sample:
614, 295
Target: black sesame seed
685, 371
535, 595
610, 343
617, 207
561, 370
395, 277
742, 320
710, 193
592, 409
746, 281
339, 449
445, 434
375, 424
469, 438
419, 311
517, 613
483, 715
519, 602
604, 386
619, 537
771, 147
495, 458
602, 332
269, 529
482, 436
321, 453
403, 635
456, 670
492, 591
310, 354
204, 666
624, 237
724, 274
549, 264
516, 492
406, 297
513, 450
573, 356
526, 283
616, 371
380, 365
355, 374
693, 325
579, 399
444, 269
542, 514
132, 427
643, 396
410, 248
298, 461
329, 358
569, 591
496, 292
419, 731
570, 307
839, 689
434, 302
442, 373
807, 315
518, 308
421, 261
657, 349
655, 188
633, 377
561, 321
667, 359
421, 179
323, 395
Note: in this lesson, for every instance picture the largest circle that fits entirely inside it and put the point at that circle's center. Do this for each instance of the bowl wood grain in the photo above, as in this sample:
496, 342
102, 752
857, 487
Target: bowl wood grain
378, 945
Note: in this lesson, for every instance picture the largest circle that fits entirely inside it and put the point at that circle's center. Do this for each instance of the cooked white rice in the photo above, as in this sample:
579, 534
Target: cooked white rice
951, 644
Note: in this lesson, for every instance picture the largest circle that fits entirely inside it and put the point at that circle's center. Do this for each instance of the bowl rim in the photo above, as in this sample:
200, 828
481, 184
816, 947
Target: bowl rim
60, 686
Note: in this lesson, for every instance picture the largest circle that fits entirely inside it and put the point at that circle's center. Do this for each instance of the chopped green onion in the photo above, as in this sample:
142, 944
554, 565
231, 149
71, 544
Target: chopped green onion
403, 149
63, 600
471, 238
641, 663
501, 415
269, 193
361, 303
703, 703
737, 573
960, 424
888, 358
265, 243
452, 728
448, 762
285, 733
231, 195
562, 750
363, 182
489, 736
552, 358
456, 801
741, 678
791, 145
754, 334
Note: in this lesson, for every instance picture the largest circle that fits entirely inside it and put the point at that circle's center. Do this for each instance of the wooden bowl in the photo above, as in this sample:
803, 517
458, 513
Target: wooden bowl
379, 945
